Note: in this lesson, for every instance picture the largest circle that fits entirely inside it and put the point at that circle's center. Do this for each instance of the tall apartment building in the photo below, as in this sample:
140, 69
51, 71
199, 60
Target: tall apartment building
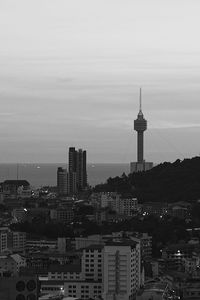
62, 178
81, 172
77, 170
121, 271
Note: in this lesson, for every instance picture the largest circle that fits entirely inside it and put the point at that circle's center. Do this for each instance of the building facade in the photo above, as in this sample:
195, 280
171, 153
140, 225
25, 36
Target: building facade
62, 178
77, 162
121, 272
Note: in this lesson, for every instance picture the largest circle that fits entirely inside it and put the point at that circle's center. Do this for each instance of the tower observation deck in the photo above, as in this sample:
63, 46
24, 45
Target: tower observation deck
140, 125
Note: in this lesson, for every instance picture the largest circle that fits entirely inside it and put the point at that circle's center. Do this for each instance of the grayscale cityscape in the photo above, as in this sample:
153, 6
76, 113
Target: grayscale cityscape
100, 150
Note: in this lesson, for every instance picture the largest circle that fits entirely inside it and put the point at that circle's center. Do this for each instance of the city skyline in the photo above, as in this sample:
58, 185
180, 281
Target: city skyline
72, 79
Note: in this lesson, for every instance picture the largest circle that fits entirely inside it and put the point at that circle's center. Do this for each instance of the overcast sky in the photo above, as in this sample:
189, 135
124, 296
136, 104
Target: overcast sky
70, 72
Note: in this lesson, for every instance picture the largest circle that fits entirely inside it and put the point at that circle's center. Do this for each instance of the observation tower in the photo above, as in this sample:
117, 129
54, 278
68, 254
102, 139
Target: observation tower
140, 125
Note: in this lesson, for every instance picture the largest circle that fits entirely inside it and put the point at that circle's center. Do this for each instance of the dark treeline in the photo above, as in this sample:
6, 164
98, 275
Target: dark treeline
164, 231
167, 182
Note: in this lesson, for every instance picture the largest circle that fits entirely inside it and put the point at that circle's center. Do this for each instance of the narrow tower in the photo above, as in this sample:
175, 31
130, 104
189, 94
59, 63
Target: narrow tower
140, 125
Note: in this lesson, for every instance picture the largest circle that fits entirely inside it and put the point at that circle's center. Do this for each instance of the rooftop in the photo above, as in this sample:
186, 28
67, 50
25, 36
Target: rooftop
65, 268
17, 182
157, 286
95, 247
122, 242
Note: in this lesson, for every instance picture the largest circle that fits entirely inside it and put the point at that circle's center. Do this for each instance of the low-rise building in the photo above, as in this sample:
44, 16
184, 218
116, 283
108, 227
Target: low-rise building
154, 291
70, 272
65, 215
12, 263
145, 241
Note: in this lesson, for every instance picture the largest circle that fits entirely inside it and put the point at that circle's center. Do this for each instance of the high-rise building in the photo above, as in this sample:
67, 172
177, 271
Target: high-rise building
77, 170
81, 172
121, 271
140, 125
62, 178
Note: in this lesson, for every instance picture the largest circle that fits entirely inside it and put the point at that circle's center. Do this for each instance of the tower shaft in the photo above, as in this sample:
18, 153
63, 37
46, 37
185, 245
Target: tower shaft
140, 146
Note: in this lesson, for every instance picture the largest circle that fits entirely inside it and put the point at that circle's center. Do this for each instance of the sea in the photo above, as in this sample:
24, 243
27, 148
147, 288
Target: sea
43, 174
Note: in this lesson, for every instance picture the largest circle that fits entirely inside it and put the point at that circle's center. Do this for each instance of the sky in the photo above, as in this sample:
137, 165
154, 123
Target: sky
70, 73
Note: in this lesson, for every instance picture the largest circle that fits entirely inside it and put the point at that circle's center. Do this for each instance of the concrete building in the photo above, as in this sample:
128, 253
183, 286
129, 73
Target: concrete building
12, 263
140, 166
122, 206
84, 242
155, 208
154, 291
145, 241
140, 125
103, 271
127, 206
177, 254
121, 271
77, 170
83, 289
18, 241
4, 239
12, 188
81, 170
12, 241
38, 244
111, 200
19, 214
62, 178
65, 215
65, 272
92, 263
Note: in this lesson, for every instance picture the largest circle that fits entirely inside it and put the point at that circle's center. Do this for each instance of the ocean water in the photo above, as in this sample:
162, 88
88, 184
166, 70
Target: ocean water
45, 174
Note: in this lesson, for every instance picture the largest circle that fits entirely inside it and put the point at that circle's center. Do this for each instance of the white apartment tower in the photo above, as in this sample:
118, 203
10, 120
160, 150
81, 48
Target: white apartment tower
121, 270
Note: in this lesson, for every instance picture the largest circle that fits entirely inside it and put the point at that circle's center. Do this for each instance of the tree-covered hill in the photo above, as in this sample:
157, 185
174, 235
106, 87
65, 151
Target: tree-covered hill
166, 182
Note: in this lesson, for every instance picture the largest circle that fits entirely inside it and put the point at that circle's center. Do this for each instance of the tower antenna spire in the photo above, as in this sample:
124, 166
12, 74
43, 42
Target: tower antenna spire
140, 99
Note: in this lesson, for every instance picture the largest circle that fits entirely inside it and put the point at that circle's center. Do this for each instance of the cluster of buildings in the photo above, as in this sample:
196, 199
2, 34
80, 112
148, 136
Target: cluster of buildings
105, 203
113, 266
115, 202
84, 267
73, 180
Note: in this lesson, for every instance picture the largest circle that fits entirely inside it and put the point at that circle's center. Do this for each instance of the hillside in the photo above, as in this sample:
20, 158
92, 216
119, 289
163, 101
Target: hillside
167, 182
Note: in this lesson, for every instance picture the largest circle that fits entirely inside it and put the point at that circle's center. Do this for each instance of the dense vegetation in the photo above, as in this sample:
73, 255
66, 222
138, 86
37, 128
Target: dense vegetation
167, 182
164, 231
